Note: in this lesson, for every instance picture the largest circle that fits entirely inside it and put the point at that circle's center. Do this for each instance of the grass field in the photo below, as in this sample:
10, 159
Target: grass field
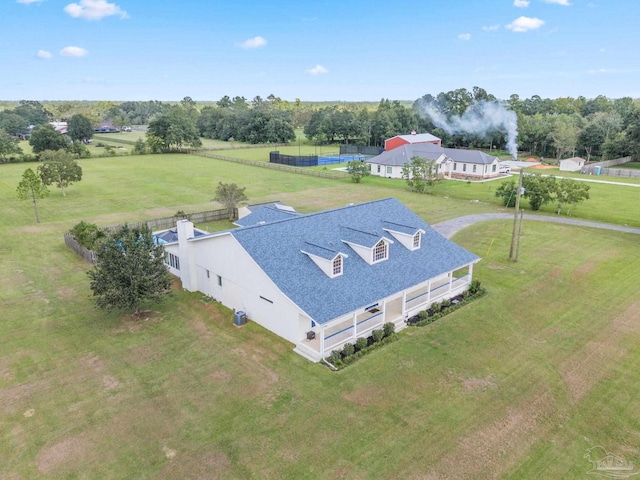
516, 385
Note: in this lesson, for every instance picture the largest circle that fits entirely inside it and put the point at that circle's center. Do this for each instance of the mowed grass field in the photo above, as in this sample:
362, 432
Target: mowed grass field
516, 385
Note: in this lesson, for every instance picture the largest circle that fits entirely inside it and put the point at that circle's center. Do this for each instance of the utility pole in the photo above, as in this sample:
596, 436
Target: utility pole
519, 234
515, 218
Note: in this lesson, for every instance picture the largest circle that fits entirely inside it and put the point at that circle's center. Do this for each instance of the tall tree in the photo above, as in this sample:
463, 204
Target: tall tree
420, 174
79, 128
31, 187
230, 196
44, 137
8, 145
177, 129
60, 169
129, 271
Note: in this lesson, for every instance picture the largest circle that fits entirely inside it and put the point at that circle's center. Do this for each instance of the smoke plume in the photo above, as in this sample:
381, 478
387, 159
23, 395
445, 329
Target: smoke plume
481, 117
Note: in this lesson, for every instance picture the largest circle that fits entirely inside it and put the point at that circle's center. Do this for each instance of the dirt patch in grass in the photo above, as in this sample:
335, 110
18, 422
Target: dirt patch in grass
368, 396
219, 376
15, 399
51, 457
583, 370
474, 384
142, 354
491, 450
211, 465
200, 328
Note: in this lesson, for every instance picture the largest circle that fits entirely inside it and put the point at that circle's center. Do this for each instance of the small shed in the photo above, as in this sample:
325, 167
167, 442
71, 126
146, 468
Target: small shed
573, 164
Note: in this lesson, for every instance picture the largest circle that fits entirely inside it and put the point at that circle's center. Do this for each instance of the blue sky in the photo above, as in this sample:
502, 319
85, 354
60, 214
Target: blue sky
348, 50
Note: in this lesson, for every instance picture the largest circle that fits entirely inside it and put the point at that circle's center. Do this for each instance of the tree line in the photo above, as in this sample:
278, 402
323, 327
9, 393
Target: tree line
596, 128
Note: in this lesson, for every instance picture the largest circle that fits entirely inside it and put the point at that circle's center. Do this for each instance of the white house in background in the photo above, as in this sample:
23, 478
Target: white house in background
573, 164
452, 162
324, 279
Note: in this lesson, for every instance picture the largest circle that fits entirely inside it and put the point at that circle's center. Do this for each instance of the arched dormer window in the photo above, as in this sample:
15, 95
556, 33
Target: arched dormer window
380, 251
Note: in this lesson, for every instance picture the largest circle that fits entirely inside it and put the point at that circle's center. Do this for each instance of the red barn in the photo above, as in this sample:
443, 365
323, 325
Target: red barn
399, 140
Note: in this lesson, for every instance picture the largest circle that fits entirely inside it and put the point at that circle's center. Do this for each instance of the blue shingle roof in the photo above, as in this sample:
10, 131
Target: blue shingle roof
277, 248
266, 213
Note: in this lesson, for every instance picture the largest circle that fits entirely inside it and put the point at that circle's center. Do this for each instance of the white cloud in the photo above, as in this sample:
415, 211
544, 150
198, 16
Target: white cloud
73, 52
94, 9
464, 36
524, 24
491, 28
521, 3
317, 70
43, 54
600, 71
255, 42
28, 2
564, 3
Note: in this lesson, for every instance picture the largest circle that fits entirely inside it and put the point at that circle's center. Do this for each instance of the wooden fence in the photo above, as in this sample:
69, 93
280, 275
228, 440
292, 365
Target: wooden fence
621, 172
73, 244
170, 222
276, 166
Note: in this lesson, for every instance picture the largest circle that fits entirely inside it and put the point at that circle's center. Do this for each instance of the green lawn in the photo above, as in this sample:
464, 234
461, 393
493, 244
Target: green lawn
516, 385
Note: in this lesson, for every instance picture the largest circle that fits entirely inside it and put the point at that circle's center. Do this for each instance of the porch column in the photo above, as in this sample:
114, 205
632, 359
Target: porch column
355, 325
404, 303
429, 291
470, 273
322, 342
384, 310
450, 282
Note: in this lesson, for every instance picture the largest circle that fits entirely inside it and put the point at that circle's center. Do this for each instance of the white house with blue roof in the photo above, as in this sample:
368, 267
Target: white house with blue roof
323, 279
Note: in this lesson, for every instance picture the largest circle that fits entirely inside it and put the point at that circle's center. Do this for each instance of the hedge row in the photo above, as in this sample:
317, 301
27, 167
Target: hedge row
428, 319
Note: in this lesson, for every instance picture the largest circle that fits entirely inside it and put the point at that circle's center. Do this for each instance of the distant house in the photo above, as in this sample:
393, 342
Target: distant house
323, 279
573, 164
414, 138
60, 127
452, 162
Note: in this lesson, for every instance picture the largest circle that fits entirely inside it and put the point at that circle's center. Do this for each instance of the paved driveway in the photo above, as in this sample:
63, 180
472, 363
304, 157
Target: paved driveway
450, 227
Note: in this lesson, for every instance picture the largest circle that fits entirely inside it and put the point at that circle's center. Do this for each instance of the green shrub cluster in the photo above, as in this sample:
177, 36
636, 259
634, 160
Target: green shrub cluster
351, 353
87, 234
441, 309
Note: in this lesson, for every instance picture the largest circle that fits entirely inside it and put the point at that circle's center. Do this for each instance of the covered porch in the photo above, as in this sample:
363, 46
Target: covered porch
323, 339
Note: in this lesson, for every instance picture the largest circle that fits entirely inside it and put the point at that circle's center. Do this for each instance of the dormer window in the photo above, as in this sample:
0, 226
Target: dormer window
380, 251
416, 241
337, 266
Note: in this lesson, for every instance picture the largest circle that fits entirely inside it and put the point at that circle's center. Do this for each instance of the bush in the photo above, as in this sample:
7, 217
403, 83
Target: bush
348, 349
474, 287
377, 335
87, 234
423, 315
389, 328
335, 357
361, 344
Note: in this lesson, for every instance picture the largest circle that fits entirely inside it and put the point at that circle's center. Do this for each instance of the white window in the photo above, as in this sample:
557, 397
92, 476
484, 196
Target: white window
380, 251
494, 167
474, 168
337, 266
219, 280
455, 166
416, 240
389, 170
378, 168
172, 260
464, 167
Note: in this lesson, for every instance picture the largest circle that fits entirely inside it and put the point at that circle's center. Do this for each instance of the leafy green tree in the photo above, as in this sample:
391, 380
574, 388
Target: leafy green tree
420, 174
564, 135
539, 190
79, 128
8, 145
140, 147
176, 129
570, 192
358, 170
12, 123
31, 187
87, 234
44, 137
79, 150
33, 112
230, 196
508, 191
129, 271
60, 169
